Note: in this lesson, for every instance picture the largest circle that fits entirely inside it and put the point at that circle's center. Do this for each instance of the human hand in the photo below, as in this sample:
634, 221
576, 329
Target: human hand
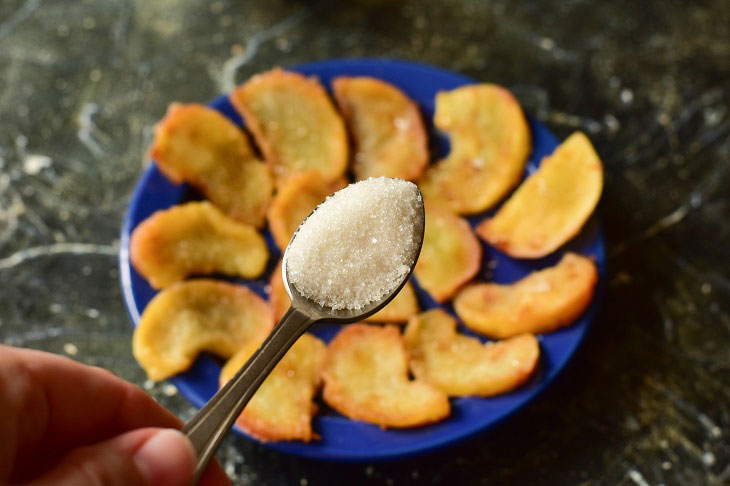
66, 423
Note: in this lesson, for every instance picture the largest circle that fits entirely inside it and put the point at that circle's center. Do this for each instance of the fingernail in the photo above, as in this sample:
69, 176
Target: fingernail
166, 458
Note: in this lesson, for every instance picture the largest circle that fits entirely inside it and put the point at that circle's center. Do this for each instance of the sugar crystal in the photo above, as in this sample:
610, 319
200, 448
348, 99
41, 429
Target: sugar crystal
358, 245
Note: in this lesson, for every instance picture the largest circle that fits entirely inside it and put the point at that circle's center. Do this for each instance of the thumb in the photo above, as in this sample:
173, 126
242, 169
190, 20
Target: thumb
144, 457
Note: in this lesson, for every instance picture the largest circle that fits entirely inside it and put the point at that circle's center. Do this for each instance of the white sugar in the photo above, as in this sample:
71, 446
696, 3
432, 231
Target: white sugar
358, 245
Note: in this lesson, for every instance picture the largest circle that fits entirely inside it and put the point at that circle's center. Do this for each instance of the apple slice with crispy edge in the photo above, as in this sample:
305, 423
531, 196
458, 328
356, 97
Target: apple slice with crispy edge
450, 256
294, 123
460, 365
278, 298
195, 238
195, 316
198, 145
296, 198
552, 205
490, 144
366, 378
283, 407
400, 309
543, 301
403, 305
388, 134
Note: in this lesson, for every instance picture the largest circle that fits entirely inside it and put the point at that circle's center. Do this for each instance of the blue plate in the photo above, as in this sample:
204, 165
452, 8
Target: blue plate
344, 439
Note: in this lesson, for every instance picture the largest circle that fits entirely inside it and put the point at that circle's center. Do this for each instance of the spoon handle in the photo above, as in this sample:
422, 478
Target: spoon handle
208, 427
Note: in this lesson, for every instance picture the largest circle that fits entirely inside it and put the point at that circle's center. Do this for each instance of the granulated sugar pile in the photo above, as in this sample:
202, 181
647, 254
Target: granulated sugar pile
358, 245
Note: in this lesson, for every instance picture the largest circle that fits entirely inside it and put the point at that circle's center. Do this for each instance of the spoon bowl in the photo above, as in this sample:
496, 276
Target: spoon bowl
347, 316
208, 427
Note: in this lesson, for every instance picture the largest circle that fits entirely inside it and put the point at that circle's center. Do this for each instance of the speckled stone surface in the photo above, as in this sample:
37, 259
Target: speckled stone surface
647, 398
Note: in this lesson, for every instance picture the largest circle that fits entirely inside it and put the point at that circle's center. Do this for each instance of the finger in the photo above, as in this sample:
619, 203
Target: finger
144, 457
52, 404
59, 404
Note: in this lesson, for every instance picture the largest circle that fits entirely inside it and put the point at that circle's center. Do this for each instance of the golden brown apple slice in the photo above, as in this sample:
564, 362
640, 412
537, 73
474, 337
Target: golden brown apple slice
294, 123
543, 301
278, 298
366, 378
403, 305
198, 145
195, 316
400, 309
460, 365
490, 143
195, 238
296, 198
450, 256
387, 130
552, 205
283, 407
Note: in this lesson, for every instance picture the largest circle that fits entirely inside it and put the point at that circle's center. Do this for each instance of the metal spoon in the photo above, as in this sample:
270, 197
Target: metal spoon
208, 427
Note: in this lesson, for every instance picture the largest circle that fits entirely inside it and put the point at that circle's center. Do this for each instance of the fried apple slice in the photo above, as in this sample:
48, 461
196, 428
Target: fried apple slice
283, 407
552, 205
460, 365
366, 378
387, 130
195, 238
294, 123
296, 198
195, 316
490, 143
450, 256
198, 145
278, 298
403, 305
400, 309
543, 301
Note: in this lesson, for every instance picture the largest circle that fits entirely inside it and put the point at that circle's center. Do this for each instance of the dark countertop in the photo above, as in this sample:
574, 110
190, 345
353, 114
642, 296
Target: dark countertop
647, 398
